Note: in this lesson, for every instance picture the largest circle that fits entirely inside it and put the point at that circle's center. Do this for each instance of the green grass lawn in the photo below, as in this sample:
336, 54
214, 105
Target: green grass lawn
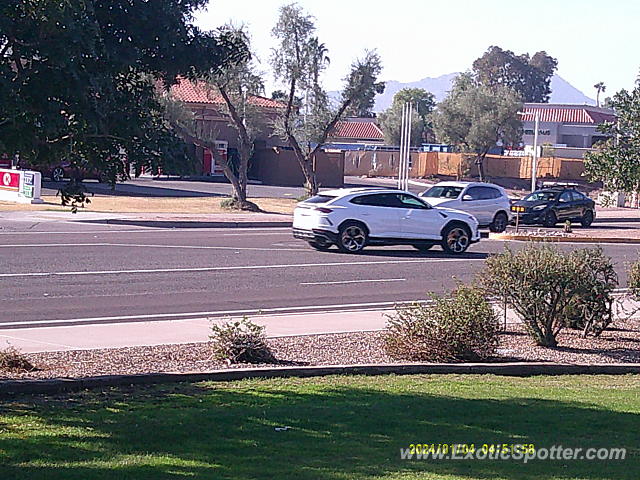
341, 428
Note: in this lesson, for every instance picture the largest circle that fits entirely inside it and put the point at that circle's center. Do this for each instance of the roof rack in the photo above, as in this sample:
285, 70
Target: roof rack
364, 189
560, 184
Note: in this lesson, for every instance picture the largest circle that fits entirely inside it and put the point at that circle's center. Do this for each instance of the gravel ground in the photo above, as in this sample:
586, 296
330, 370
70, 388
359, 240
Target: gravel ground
619, 345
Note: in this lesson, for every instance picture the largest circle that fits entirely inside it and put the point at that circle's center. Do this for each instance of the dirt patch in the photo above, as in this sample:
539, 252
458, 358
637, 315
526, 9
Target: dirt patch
123, 204
618, 345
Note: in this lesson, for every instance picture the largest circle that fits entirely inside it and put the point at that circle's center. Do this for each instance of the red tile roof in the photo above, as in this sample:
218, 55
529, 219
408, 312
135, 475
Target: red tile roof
566, 115
190, 92
357, 129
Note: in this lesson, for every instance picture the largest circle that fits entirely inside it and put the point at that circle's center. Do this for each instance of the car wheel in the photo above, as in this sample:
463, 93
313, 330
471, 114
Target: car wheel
587, 219
352, 237
57, 174
499, 223
550, 219
456, 239
424, 247
322, 246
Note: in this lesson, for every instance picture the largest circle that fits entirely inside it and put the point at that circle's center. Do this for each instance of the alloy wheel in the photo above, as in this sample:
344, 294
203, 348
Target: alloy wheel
458, 240
353, 238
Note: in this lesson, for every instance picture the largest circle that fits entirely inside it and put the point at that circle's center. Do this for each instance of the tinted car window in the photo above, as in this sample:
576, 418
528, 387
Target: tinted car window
442, 191
487, 193
542, 196
565, 197
475, 193
378, 200
319, 199
578, 197
410, 201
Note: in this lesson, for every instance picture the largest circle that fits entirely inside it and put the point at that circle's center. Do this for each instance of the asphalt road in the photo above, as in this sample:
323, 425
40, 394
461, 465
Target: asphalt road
205, 187
93, 274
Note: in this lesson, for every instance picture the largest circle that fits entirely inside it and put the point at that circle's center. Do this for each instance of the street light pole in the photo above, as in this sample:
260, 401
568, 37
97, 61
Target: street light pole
534, 162
405, 146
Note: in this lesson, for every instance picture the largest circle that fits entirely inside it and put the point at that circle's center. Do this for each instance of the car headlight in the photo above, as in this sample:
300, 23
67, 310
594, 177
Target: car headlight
538, 208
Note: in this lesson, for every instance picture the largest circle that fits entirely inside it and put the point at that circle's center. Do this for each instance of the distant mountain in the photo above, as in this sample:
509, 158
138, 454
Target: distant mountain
561, 90
439, 86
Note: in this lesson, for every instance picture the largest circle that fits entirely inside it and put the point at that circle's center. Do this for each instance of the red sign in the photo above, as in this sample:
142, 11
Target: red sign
9, 181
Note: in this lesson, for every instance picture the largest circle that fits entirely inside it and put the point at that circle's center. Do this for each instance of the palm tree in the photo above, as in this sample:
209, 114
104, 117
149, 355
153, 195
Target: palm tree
318, 60
600, 88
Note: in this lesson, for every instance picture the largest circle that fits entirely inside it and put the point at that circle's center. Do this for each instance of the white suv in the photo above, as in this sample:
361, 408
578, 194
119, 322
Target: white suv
356, 217
487, 202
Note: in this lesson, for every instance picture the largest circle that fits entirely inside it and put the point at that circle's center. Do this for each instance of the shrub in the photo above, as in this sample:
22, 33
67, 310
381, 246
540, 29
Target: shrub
459, 327
240, 341
11, 359
591, 309
235, 204
633, 281
550, 289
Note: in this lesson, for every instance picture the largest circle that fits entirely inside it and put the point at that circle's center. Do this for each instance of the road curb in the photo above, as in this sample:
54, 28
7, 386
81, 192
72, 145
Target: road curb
517, 369
198, 223
541, 238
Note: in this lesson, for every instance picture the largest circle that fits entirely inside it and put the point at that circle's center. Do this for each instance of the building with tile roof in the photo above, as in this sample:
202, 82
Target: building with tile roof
356, 130
198, 94
565, 125
272, 162
210, 109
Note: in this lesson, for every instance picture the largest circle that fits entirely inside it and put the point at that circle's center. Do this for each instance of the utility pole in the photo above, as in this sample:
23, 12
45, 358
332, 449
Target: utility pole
405, 146
534, 162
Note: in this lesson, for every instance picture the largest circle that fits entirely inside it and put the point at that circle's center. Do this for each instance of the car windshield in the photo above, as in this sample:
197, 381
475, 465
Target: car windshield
320, 199
442, 191
541, 197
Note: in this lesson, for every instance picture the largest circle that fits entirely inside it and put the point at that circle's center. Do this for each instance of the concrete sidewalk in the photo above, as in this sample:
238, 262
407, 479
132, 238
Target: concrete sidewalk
116, 335
26, 220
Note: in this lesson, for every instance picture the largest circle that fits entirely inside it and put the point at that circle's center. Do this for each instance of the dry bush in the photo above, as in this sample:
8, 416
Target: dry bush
12, 360
458, 327
550, 289
240, 341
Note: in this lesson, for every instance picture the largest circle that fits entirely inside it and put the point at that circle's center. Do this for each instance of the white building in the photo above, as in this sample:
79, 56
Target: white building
565, 125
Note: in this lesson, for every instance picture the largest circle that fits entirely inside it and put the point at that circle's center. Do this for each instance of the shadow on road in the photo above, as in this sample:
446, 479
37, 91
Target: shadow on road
131, 190
435, 254
183, 223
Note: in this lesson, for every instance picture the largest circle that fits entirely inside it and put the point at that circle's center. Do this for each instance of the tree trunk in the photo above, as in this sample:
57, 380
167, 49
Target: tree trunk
245, 153
480, 164
239, 190
311, 183
307, 166
550, 339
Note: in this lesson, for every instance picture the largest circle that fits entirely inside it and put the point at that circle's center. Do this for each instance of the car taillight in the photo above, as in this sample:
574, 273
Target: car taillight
324, 210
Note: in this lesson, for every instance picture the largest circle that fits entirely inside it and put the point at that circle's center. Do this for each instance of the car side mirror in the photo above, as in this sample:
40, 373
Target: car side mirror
467, 198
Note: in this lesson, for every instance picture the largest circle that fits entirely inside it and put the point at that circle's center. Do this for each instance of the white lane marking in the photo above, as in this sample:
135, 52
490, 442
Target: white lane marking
356, 281
218, 313
148, 245
238, 267
345, 307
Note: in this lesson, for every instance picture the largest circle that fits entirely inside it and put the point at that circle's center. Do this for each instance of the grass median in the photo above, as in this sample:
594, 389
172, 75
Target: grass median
125, 204
321, 428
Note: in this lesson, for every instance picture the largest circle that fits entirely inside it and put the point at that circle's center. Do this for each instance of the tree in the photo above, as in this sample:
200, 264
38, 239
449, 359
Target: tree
298, 62
600, 87
237, 85
475, 117
530, 77
616, 163
421, 125
78, 78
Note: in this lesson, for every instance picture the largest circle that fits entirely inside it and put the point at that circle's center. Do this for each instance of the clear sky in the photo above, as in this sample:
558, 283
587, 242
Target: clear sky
593, 40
